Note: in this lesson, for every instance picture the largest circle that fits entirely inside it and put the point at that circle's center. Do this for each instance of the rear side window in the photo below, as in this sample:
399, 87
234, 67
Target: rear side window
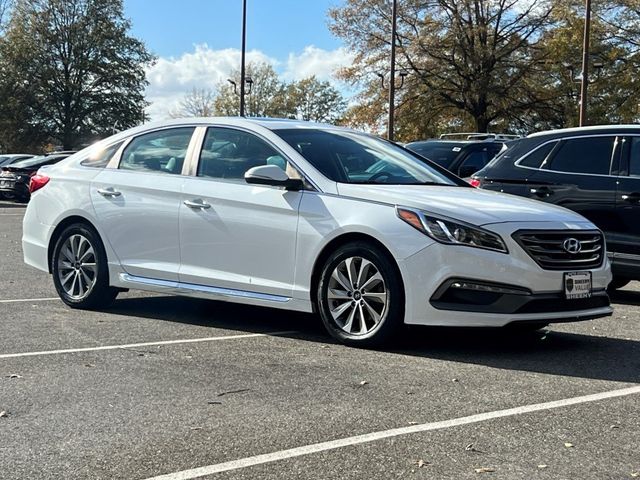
163, 151
590, 155
536, 158
101, 157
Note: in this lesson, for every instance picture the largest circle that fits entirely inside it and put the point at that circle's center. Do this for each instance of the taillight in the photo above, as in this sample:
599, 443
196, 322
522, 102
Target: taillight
37, 182
474, 182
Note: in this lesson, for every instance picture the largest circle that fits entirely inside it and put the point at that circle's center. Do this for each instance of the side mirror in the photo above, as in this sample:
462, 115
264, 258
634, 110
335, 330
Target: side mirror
466, 171
272, 175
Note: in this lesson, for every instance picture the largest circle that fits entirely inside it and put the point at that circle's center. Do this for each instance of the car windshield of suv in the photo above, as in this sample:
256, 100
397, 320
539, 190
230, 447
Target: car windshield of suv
349, 157
442, 154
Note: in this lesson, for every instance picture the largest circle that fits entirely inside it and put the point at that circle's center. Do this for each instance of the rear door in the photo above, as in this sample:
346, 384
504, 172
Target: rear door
625, 241
579, 174
138, 202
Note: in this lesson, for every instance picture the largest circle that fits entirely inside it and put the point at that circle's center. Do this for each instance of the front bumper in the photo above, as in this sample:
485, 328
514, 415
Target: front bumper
530, 293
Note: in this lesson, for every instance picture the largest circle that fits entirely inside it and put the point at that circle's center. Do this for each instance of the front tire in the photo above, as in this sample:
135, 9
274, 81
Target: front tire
360, 295
80, 271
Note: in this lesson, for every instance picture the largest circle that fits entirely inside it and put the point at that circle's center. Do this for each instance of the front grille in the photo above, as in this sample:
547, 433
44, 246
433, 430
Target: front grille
546, 247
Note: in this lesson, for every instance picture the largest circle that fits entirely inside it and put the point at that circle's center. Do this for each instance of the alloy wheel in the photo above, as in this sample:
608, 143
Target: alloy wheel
357, 296
77, 269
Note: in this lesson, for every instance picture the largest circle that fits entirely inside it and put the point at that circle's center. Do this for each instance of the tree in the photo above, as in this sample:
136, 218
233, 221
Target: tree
317, 101
71, 70
267, 98
197, 103
468, 59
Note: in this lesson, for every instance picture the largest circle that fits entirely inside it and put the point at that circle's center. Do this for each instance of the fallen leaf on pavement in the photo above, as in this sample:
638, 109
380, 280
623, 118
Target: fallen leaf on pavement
14, 375
635, 474
3, 414
214, 403
421, 463
364, 382
568, 445
542, 466
412, 423
484, 470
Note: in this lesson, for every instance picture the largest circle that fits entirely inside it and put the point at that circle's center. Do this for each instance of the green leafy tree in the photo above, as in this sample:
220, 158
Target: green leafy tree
71, 71
317, 101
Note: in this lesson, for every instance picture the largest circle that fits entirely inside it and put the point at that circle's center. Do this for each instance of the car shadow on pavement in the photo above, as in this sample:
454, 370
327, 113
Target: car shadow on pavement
548, 351
625, 297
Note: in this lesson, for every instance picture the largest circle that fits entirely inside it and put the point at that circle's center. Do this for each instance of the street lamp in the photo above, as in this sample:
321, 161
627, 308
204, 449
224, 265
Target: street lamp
585, 64
242, 58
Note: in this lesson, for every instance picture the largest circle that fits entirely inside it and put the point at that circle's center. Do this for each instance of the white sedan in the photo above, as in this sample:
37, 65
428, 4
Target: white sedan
307, 217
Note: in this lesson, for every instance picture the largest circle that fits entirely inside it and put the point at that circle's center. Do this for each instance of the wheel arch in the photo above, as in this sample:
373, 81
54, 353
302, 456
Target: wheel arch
336, 243
71, 220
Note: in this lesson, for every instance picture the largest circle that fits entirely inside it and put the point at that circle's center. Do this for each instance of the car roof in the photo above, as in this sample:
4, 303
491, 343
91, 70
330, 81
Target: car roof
586, 130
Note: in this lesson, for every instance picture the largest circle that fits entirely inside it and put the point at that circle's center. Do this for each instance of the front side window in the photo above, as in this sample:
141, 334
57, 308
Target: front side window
162, 151
590, 155
228, 153
349, 157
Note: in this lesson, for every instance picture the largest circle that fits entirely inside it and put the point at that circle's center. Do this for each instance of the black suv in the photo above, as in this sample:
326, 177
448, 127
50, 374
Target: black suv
462, 157
592, 170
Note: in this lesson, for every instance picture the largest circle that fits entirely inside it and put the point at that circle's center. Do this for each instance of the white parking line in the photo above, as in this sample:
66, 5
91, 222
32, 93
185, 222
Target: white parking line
144, 344
371, 437
21, 300
11, 214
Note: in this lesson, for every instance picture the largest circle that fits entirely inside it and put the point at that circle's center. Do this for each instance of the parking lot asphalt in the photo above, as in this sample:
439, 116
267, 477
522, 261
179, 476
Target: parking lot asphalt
159, 385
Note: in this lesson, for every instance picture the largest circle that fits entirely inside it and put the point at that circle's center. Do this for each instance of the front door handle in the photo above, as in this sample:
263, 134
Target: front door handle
109, 192
541, 191
197, 204
631, 197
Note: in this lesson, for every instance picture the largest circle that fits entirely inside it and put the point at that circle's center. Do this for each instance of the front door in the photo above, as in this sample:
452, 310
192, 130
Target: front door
234, 235
138, 203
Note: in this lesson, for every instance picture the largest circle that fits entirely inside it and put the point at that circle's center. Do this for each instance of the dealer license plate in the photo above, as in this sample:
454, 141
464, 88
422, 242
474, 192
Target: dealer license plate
577, 285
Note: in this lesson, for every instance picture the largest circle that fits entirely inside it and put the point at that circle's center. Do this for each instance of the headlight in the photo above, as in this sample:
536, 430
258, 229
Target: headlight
451, 232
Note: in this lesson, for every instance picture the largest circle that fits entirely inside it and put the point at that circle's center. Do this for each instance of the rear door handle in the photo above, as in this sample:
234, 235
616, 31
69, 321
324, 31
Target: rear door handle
541, 191
631, 197
197, 204
109, 192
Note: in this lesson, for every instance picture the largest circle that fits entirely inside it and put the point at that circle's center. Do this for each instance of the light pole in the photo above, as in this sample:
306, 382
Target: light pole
585, 64
392, 83
242, 59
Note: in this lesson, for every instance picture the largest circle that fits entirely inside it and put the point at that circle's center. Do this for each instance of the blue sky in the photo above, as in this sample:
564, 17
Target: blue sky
198, 42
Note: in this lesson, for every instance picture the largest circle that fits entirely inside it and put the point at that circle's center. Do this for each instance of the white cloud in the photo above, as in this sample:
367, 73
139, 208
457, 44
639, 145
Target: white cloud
170, 78
316, 61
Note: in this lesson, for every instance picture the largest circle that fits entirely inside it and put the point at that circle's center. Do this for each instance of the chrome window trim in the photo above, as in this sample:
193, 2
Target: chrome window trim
615, 146
194, 172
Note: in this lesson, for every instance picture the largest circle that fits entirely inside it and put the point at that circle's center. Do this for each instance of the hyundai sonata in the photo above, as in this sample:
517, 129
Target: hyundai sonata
307, 217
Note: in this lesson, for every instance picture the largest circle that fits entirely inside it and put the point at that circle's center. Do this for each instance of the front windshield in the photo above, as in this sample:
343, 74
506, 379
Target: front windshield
442, 154
349, 157
30, 162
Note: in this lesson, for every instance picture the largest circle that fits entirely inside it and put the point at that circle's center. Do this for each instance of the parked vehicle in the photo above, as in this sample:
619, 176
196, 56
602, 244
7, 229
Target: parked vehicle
594, 171
14, 179
306, 217
9, 158
462, 157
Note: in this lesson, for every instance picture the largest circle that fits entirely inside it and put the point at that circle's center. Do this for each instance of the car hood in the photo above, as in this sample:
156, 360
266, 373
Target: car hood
471, 205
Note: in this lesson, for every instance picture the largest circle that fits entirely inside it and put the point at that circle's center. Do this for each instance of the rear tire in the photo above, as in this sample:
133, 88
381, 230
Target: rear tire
80, 271
618, 282
360, 295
